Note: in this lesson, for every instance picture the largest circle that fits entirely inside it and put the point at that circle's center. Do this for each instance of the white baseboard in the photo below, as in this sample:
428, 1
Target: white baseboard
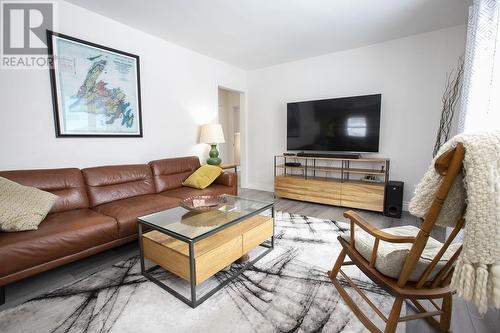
260, 187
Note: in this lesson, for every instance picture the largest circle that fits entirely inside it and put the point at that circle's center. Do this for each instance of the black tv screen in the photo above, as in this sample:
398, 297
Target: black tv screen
348, 124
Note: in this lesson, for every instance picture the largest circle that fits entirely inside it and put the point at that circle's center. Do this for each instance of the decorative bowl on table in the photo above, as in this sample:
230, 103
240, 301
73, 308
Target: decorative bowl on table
203, 203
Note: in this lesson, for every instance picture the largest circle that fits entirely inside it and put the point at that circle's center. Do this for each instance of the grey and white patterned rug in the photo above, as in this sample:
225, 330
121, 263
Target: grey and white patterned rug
286, 291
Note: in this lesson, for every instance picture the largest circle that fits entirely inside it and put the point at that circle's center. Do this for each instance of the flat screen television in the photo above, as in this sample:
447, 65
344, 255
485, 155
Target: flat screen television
348, 124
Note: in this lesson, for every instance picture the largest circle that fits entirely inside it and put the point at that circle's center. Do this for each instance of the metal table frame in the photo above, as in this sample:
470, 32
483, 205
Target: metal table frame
194, 301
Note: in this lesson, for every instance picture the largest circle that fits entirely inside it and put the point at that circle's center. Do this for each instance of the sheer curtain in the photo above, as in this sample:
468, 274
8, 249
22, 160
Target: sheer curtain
480, 101
480, 104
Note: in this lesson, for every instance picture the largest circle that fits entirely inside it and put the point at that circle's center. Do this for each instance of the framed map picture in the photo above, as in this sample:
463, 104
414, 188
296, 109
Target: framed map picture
95, 89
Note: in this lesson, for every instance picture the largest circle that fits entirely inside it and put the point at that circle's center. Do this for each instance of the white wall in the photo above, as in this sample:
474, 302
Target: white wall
410, 74
179, 93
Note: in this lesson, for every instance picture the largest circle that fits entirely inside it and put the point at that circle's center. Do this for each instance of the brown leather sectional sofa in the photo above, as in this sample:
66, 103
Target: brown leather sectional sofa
97, 210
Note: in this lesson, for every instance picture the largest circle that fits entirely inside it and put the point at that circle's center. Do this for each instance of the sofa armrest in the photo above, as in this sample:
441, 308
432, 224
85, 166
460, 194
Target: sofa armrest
229, 179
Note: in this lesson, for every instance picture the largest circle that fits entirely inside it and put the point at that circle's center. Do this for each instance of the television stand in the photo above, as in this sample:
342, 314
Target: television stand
330, 155
345, 182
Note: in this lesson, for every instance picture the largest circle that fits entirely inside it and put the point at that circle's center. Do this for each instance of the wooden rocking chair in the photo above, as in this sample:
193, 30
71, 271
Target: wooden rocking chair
433, 281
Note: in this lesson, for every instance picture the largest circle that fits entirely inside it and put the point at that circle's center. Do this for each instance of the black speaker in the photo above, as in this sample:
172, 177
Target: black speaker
393, 199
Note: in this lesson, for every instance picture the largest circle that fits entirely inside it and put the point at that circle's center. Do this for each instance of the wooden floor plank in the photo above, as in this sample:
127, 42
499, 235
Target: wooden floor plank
461, 318
482, 323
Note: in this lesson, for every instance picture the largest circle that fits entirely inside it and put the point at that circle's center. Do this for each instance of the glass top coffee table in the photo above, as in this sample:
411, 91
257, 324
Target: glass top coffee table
195, 246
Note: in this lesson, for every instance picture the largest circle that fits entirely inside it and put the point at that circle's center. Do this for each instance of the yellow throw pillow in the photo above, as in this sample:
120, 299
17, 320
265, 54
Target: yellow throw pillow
203, 177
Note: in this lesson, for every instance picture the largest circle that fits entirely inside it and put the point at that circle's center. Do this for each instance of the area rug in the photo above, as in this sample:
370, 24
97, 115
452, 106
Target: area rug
286, 291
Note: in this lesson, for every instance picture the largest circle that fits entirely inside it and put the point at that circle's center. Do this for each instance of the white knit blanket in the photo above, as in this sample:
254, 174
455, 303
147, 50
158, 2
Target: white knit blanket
477, 271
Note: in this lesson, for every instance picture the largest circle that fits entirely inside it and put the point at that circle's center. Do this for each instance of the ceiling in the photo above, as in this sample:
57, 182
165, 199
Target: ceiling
258, 33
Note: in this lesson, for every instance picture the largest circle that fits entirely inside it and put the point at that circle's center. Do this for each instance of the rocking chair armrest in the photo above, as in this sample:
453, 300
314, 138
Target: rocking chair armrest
377, 233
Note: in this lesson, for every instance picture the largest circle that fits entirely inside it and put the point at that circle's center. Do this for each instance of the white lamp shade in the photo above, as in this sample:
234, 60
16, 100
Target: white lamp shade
212, 133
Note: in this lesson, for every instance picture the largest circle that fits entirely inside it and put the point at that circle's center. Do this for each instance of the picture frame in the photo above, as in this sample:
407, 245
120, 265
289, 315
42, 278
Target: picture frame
96, 90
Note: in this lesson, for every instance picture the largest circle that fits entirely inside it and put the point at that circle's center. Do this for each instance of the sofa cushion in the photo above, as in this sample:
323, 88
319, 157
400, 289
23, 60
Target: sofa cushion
22, 207
127, 211
187, 192
203, 177
216, 189
67, 184
117, 182
169, 173
59, 235
391, 256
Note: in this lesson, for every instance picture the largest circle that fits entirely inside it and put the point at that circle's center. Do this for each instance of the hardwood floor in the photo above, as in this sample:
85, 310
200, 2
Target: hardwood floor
465, 318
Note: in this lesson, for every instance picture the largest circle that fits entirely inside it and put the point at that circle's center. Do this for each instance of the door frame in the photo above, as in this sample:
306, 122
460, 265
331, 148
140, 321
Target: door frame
243, 130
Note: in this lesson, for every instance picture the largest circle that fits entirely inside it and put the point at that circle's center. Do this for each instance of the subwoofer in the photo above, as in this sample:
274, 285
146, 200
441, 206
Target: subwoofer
393, 199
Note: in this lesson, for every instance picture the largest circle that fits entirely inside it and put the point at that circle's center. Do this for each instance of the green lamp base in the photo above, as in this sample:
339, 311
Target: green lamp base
214, 156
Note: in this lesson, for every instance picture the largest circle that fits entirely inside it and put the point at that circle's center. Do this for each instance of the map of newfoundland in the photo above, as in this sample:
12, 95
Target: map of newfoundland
100, 99
98, 91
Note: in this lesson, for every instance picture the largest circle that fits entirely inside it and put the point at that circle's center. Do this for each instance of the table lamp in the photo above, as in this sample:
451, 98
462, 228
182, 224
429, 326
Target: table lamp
212, 134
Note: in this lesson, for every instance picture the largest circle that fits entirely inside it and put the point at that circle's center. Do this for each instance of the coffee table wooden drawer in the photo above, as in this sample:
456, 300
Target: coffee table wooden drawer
253, 237
165, 256
206, 264
213, 253
213, 261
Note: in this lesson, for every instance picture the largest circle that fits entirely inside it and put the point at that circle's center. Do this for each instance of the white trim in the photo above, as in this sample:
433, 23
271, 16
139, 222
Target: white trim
243, 173
260, 187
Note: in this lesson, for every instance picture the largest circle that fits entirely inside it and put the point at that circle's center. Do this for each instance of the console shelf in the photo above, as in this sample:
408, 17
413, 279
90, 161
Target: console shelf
333, 181
370, 160
334, 169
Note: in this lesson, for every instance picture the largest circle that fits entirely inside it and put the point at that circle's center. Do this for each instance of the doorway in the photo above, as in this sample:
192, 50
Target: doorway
229, 117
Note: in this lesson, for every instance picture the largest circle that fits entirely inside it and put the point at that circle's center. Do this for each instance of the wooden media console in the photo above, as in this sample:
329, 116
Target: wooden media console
332, 181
